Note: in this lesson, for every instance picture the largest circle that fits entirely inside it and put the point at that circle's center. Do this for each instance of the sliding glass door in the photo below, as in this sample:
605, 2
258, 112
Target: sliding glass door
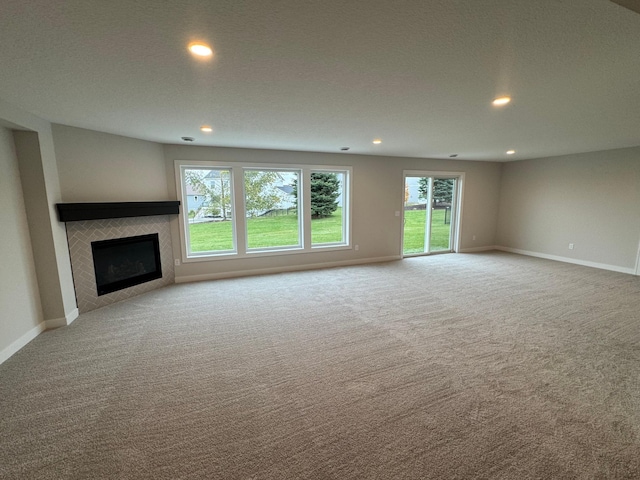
430, 213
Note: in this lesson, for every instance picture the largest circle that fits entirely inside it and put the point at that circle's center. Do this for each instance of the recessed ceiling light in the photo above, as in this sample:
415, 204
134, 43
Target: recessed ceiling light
200, 49
501, 101
510, 152
206, 129
377, 141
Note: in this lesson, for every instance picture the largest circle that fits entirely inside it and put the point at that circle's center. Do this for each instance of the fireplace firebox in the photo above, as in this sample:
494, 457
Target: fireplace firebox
124, 262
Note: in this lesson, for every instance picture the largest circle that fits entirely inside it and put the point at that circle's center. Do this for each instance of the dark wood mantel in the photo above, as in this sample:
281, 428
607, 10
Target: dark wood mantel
72, 212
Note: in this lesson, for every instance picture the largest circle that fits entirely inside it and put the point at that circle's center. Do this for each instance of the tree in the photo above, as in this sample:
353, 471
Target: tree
423, 188
214, 186
260, 191
442, 189
325, 190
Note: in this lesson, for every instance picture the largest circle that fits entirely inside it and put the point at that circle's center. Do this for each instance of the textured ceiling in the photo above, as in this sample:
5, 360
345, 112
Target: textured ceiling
317, 75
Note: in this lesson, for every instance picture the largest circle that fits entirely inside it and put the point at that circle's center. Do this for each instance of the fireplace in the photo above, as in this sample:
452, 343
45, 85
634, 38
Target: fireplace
124, 262
118, 227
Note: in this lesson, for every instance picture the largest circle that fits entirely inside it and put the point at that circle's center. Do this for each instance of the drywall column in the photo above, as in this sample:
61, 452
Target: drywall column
20, 310
41, 189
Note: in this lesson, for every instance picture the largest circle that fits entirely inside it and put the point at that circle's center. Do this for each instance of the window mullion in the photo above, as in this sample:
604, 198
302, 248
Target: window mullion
240, 216
305, 205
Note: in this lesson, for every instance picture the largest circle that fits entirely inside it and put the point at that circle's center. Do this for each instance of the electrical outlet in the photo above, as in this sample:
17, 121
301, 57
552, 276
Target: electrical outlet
176, 262
571, 246
474, 237
397, 213
357, 247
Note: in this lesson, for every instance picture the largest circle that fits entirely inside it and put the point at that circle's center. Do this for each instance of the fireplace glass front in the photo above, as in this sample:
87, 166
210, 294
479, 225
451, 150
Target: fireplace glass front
125, 262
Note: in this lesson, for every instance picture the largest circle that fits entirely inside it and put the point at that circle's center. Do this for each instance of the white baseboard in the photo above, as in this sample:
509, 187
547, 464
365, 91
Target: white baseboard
477, 249
72, 315
63, 321
557, 258
37, 330
21, 342
293, 268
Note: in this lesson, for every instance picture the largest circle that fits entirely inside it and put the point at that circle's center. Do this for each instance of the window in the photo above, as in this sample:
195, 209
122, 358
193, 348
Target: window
245, 210
328, 207
208, 200
271, 206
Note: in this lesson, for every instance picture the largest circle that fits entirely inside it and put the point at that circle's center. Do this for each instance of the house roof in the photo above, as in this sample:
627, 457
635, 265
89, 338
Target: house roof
190, 190
286, 189
318, 76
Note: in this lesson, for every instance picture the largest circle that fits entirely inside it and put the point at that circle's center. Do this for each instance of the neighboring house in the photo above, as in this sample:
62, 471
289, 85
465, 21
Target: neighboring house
195, 200
287, 200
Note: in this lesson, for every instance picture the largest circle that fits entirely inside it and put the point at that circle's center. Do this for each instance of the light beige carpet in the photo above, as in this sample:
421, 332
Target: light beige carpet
452, 366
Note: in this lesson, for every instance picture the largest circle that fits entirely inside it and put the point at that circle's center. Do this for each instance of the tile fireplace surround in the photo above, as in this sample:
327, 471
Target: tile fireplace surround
80, 234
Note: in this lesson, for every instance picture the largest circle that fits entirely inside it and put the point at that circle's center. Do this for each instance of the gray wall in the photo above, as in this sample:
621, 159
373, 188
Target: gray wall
99, 167
36, 272
378, 193
20, 309
96, 166
591, 200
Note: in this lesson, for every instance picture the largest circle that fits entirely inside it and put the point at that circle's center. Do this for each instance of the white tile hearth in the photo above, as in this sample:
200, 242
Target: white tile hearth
81, 234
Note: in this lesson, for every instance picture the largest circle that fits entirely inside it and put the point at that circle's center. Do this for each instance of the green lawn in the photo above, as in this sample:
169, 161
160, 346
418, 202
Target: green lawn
277, 231
263, 232
414, 231
211, 236
328, 229
282, 230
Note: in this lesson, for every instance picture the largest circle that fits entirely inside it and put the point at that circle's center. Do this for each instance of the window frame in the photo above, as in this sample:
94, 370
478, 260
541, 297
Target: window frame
346, 205
239, 227
300, 201
184, 213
